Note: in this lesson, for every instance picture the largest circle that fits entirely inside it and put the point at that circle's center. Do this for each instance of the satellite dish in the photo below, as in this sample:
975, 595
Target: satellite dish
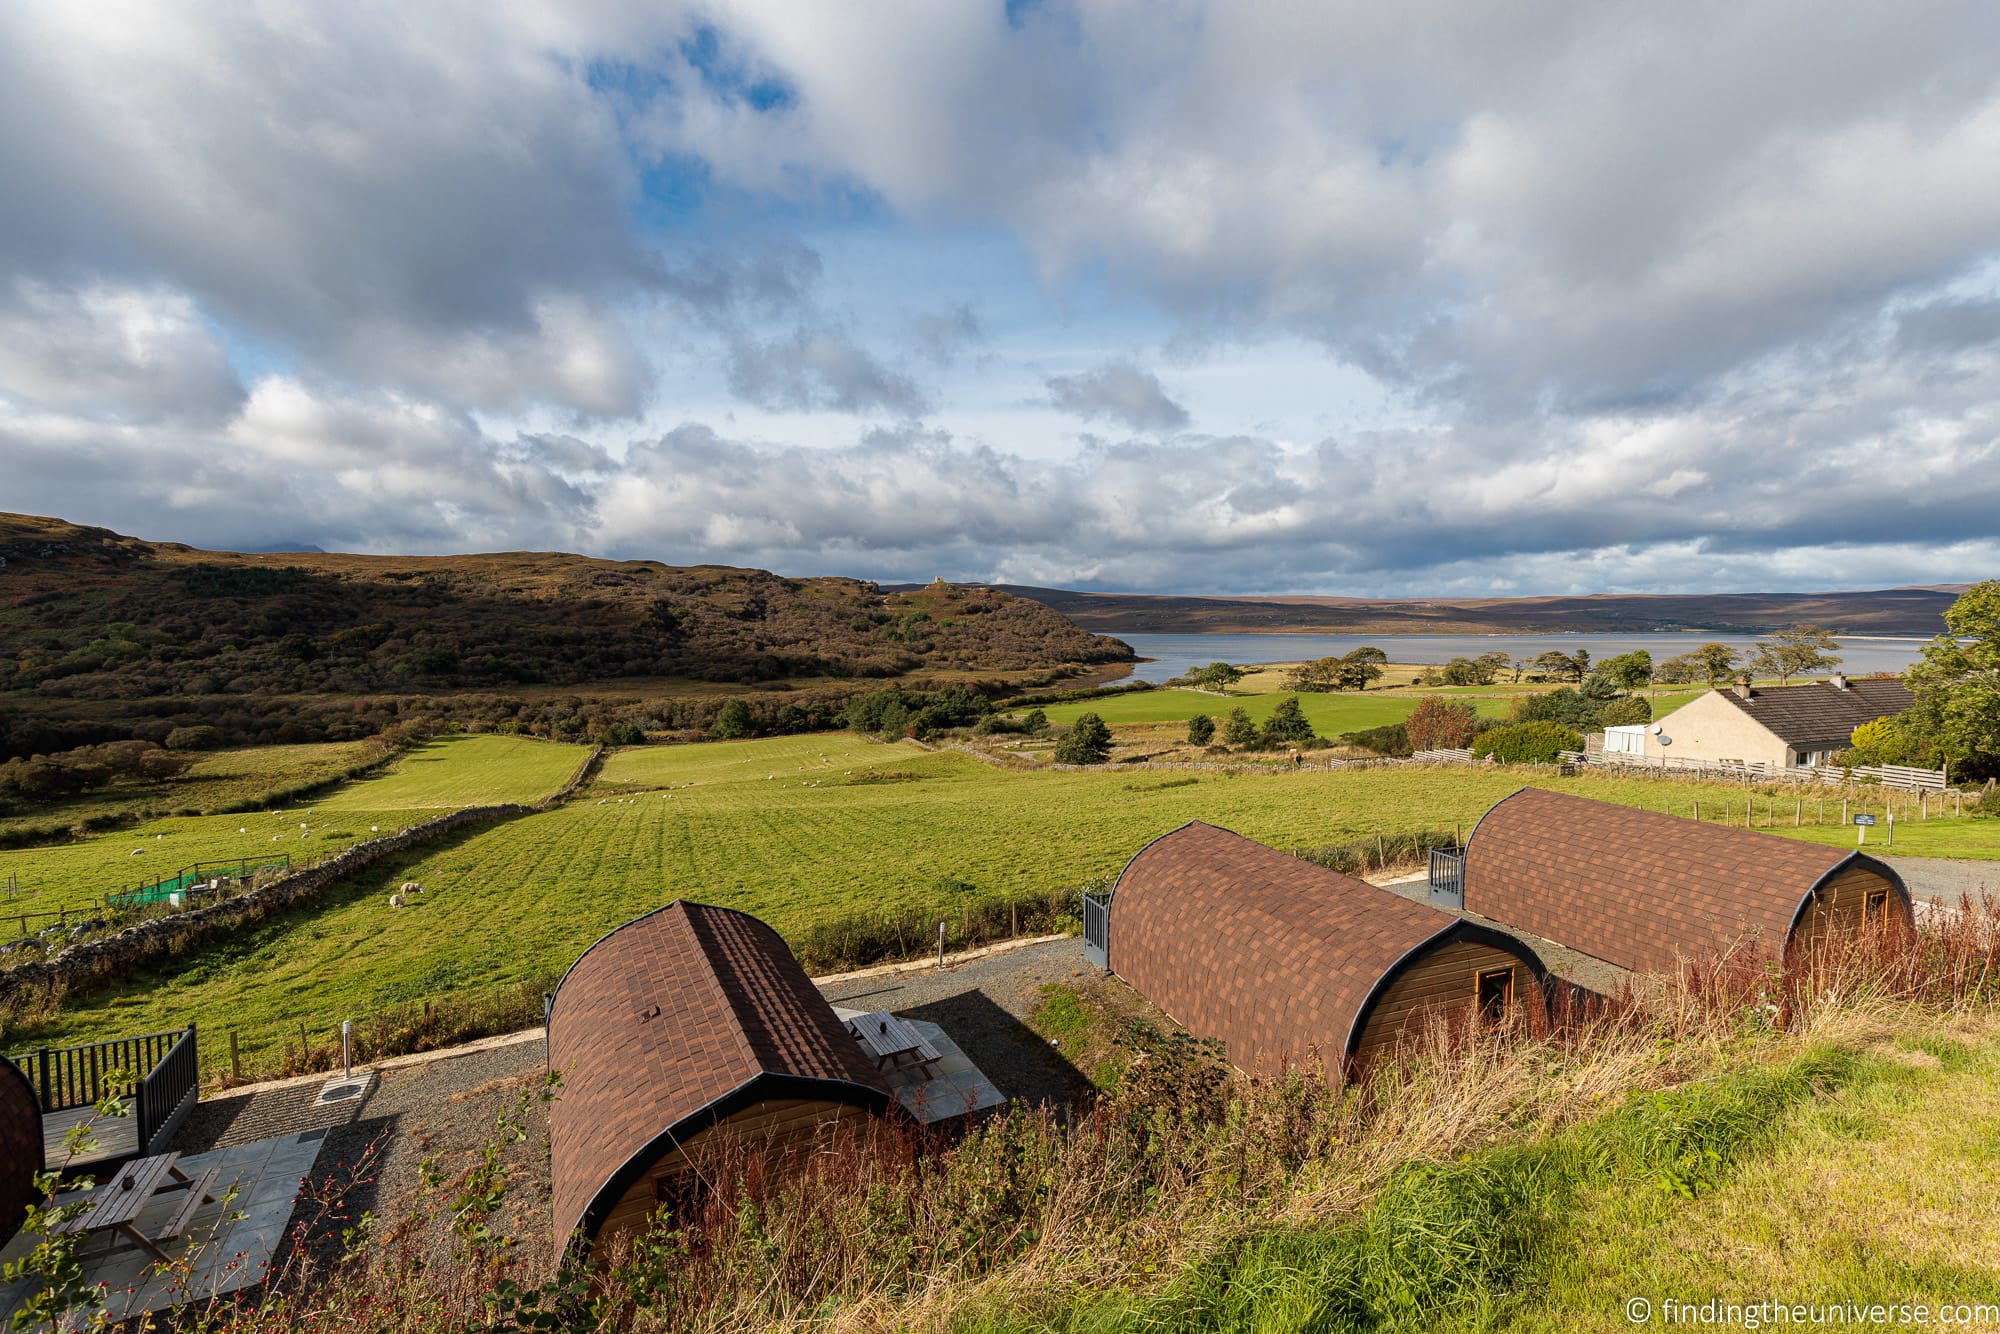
1666, 741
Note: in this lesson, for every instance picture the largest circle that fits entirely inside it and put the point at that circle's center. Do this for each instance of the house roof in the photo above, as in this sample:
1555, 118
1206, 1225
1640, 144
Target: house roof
1636, 888
1818, 714
667, 1024
1277, 957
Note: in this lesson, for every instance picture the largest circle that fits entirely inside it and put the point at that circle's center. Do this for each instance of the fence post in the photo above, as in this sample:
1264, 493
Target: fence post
940, 944
43, 1054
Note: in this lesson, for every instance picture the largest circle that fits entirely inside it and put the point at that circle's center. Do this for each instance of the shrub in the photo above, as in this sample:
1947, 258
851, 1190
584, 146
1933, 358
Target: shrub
1527, 743
1440, 724
1238, 730
1625, 712
1565, 705
623, 734
1201, 730
1287, 725
202, 737
1088, 741
1391, 740
733, 722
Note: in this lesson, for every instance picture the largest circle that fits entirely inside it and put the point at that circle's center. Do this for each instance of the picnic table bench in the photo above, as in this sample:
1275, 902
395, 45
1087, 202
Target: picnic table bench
892, 1043
116, 1205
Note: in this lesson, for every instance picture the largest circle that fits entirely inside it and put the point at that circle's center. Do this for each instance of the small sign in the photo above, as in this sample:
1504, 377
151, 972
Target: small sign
1864, 820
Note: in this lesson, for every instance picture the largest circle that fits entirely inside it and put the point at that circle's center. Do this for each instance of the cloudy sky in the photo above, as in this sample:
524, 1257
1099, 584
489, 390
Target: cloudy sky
1419, 296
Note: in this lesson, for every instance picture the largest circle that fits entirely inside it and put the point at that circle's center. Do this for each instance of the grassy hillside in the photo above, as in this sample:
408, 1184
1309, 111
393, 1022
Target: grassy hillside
157, 631
802, 831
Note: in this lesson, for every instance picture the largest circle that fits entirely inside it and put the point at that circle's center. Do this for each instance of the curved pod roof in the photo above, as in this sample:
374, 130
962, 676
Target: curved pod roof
1280, 959
667, 1026
1640, 889
20, 1147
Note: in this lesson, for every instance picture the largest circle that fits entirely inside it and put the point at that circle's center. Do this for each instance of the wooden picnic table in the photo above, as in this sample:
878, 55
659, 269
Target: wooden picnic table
891, 1042
116, 1205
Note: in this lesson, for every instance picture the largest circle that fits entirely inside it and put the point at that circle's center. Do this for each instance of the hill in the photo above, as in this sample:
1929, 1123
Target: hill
1893, 611
94, 616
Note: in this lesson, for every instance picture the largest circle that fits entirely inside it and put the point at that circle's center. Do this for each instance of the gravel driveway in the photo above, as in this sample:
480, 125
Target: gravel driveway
1944, 880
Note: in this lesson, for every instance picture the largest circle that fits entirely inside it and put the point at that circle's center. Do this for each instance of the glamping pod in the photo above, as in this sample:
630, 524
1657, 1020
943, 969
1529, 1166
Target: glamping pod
1284, 961
20, 1147
1640, 890
685, 1032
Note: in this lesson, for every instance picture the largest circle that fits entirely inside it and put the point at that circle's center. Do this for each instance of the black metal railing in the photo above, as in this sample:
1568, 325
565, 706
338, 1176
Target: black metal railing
66, 1077
169, 1089
159, 1073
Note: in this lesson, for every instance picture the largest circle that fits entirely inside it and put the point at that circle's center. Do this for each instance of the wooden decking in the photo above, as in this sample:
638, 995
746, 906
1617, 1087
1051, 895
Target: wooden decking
114, 1136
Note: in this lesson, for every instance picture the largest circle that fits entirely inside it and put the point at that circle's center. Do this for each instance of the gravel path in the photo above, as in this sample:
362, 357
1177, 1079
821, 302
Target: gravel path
1943, 879
444, 1110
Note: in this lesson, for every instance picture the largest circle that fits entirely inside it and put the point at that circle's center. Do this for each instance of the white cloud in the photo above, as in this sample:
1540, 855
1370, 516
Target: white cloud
1654, 297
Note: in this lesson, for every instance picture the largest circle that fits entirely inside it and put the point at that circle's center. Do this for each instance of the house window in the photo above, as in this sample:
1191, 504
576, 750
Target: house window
1875, 908
1494, 993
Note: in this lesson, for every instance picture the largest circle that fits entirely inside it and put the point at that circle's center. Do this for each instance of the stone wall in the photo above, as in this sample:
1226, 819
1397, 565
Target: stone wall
156, 938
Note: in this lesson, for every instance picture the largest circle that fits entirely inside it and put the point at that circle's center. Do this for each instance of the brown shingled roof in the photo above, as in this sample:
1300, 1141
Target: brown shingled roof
1819, 715
1633, 887
20, 1147
1275, 956
658, 1024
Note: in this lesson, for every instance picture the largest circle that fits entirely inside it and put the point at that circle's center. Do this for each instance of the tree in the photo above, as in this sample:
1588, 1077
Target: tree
1361, 666
1957, 685
1565, 704
1201, 730
1440, 724
1679, 670
1238, 730
1630, 671
199, 737
1287, 725
1558, 666
1088, 741
1794, 652
1217, 676
734, 721
1625, 711
1491, 663
1599, 687
1351, 671
1717, 662
1315, 677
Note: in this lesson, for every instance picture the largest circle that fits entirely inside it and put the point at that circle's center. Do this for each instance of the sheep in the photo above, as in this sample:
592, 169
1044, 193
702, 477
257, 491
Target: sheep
395, 900
412, 887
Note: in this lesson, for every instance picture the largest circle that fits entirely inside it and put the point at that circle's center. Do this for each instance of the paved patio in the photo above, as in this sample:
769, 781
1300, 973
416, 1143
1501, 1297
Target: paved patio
953, 1086
229, 1245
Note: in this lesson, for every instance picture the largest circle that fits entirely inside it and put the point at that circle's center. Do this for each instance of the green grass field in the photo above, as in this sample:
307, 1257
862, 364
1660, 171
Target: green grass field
215, 781
795, 830
451, 772
1330, 715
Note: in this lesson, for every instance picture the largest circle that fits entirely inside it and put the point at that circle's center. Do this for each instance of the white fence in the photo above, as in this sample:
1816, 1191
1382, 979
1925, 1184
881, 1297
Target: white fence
1442, 756
1888, 775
